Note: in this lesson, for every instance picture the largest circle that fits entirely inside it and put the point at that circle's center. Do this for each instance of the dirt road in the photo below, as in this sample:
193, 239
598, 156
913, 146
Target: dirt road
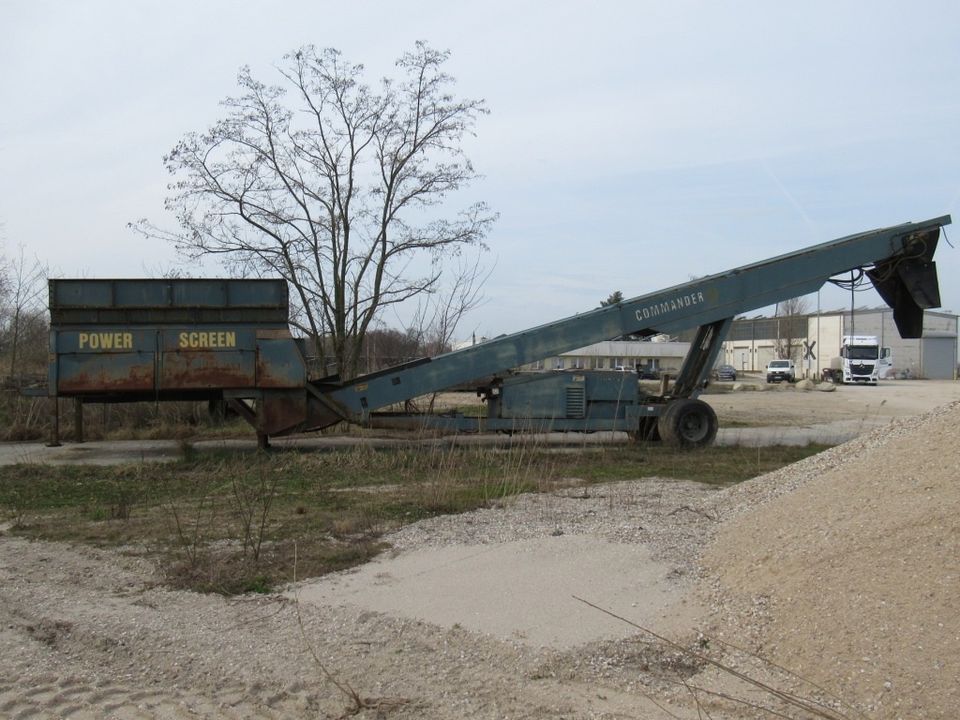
783, 414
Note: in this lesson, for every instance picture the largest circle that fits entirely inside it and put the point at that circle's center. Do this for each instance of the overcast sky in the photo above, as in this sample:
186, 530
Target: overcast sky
630, 145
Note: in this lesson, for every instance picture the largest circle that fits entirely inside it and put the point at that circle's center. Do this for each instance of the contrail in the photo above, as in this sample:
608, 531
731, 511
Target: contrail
814, 230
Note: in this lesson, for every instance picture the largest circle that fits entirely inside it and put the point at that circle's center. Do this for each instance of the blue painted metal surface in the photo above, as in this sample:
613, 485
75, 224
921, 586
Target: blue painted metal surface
564, 395
229, 339
120, 340
149, 301
713, 299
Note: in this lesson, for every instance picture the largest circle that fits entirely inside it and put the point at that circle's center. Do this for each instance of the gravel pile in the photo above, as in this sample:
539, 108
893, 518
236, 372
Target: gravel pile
744, 496
846, 568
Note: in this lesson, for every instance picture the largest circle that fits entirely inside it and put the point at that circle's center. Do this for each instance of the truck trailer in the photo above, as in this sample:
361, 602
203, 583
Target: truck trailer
227, 341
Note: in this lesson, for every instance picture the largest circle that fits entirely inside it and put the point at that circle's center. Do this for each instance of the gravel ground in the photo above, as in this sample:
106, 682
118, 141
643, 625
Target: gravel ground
88, 634
843, 567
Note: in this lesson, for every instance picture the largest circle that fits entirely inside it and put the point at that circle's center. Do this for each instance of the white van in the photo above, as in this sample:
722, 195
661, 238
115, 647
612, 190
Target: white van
779, 370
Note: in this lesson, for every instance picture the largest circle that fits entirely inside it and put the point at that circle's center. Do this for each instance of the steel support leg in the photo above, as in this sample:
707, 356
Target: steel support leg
701, 358
78, 419
54, 423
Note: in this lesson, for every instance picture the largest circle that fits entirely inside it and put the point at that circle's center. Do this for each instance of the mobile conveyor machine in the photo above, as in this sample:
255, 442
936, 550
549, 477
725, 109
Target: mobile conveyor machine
229, 341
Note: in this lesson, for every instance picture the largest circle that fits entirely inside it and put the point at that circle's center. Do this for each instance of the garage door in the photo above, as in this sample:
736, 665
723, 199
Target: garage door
939, 357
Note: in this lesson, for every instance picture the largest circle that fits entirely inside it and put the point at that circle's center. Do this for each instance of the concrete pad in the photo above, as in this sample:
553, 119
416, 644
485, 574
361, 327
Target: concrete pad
522, 590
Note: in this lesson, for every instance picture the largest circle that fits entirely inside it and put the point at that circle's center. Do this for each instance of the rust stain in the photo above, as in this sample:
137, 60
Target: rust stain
271, 374
136, 379
282, 412
204, 370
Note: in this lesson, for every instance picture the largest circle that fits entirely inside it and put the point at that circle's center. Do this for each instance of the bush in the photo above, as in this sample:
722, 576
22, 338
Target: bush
29, 418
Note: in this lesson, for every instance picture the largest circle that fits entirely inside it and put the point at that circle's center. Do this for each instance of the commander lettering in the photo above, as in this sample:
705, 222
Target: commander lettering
669, 305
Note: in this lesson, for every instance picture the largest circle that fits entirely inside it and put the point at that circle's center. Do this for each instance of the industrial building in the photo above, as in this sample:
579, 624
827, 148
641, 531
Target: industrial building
659, 355
812, 341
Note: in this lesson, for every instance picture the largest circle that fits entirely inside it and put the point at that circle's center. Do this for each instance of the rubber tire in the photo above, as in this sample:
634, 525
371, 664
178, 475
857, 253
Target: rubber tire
688, 423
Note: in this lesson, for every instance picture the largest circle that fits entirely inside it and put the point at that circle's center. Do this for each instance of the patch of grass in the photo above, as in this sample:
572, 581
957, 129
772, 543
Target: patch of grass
477, 411
234, 523
224, 571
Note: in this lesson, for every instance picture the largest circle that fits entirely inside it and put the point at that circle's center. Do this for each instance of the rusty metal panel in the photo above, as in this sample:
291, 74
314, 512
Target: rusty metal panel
102, 360
205, 357
281, 411
92, 373
107, 359
279, 364
206, 369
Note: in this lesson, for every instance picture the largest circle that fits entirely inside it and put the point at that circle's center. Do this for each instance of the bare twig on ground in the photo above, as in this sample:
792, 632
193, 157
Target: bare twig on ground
357, 702
709, 516
814, 708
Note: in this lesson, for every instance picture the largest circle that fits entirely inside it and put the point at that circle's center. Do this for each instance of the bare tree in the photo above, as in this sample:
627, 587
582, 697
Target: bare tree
333, 185
793, 307
791, 326
384, 347
438, 314
23, 303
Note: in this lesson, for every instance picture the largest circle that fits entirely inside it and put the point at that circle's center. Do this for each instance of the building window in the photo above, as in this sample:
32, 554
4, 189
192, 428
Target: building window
617, 364
558, 364
596, 363
577, 363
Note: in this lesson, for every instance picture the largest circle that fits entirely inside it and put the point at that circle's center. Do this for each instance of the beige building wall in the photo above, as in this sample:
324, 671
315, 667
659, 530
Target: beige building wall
748, 355
827, 332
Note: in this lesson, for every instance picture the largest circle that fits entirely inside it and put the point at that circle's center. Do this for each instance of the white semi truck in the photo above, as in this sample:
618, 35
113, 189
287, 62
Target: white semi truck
862, 360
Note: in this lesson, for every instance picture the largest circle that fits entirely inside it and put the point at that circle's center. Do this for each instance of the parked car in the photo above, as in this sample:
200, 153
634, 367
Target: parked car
726, 372
648, 373
779, 370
